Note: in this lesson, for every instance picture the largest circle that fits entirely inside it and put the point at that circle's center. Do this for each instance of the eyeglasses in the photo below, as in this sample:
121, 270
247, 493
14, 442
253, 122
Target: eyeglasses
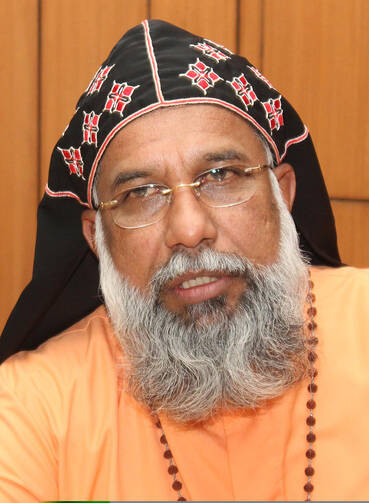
217, 188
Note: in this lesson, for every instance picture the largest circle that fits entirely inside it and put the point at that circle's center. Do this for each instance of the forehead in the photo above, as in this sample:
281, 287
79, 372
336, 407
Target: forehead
179, 139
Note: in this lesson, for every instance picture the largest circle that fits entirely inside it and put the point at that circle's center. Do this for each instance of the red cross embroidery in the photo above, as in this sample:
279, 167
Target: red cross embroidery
98, 80
201, 75
218, 45
243, 90
119, 97
90, 128
73, 159
210, 51
274, 113
261, 76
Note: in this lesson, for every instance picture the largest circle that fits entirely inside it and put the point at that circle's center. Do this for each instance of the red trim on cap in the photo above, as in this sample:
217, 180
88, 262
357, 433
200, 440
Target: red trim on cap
65, 193
153, 63
298, 139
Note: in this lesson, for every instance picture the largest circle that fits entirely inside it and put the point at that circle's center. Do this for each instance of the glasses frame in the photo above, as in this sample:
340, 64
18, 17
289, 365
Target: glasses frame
108, 205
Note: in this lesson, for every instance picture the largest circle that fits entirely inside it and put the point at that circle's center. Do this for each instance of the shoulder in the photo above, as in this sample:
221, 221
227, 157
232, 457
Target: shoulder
51, 371
346, 282
342, 303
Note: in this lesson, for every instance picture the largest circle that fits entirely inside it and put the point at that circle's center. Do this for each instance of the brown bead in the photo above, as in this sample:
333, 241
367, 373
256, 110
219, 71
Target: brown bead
310, 404
312, 372
313, 388
158, 424
310, 453
310, 420
312, 326
172, 470
313, 341
311, 284
181, 498
312, 356
310, 437
308, 487
168, 454
163, 439
309, 471
177, 486
311, 311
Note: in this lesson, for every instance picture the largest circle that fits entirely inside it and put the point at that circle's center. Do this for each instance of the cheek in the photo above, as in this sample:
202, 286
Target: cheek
253, 232
136, 254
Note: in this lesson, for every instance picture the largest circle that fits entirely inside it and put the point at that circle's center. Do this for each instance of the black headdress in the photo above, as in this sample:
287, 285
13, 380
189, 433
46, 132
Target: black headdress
154, 65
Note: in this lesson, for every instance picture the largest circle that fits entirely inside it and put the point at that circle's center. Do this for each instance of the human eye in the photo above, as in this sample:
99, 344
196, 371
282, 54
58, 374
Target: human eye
220, 175
138, 193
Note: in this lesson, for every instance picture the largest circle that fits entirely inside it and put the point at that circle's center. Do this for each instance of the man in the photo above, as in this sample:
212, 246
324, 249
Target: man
201, 377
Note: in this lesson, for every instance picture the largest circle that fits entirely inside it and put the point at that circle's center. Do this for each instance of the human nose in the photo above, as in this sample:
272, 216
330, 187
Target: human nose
190, 223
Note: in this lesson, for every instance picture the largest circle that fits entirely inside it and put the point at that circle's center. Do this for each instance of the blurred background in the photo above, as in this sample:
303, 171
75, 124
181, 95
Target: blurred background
314, 52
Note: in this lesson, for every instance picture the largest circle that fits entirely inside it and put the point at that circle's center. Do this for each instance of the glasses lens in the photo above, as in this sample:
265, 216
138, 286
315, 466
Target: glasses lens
140, 206
226, 187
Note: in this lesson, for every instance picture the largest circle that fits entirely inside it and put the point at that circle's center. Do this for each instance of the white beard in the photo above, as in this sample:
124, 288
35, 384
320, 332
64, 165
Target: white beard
192, 366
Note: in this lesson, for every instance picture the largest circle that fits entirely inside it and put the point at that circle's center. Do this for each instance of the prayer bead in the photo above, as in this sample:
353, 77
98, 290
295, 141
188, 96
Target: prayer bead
310, 453
308, 487
309, 471
310, 437
168, 454
163, 439
172, 470
310, 404
311, 311
310, 421
313, 341
312, 388
313, 372
177, 486
312, 326
312, 356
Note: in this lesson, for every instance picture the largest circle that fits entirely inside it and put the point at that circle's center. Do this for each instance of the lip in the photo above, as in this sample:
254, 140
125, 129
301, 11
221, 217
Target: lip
200, 293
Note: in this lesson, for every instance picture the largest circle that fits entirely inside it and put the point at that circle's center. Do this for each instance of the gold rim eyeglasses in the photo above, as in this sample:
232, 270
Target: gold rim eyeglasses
147, 204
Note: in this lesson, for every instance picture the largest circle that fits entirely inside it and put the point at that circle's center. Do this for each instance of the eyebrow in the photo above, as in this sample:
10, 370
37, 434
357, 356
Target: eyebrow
122, 178
225, 155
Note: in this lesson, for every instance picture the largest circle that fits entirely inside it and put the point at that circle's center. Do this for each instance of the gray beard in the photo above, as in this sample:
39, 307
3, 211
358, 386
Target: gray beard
194, 365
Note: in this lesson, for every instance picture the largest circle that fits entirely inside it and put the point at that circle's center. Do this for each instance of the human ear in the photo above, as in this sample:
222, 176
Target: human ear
88, 218
287, 183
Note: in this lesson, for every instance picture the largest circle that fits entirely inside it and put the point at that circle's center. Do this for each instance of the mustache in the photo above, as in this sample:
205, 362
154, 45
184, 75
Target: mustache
208, 260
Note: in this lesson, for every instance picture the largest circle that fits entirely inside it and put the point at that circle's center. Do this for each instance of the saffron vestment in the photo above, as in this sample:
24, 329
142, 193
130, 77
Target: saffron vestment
68, 431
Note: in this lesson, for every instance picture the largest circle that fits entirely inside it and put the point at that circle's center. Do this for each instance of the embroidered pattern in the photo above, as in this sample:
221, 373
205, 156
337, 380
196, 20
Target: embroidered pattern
202, 76
98, 80
274, 113
261, 76
210, 51
243, 90
90, 128
218, 45
119, 97
73, 159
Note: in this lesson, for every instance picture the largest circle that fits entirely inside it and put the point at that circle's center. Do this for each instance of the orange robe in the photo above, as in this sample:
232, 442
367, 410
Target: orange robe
67, 431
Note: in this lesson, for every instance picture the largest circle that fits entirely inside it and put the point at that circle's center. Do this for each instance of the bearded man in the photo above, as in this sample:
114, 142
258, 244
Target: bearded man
215, 369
